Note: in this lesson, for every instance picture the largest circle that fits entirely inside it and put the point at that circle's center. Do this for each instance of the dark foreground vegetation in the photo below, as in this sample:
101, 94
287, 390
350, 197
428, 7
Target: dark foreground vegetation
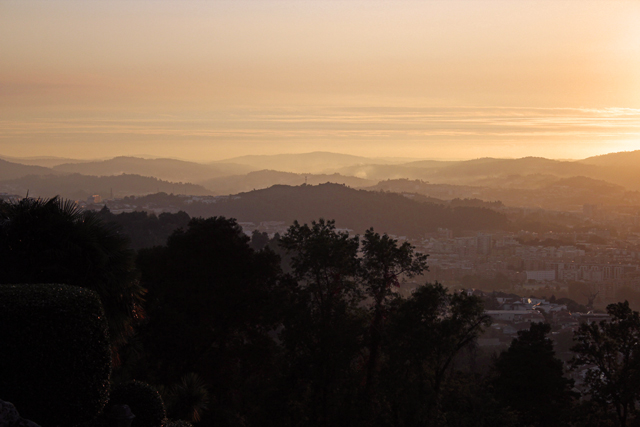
217, 329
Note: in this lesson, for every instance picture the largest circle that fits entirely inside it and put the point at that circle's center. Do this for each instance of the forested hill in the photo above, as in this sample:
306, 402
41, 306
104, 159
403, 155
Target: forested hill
355, 209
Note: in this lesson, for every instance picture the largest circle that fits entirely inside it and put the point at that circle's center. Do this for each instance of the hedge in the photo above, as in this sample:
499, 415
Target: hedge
55, 360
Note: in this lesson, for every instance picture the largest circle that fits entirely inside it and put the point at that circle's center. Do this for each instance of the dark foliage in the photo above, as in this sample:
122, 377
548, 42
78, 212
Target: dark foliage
323, 327
426, 333
572, 305
52, 241
467, 401
144, 401
178, 423
530, 379
145, 230
188, 399
54, 353
383, 265
307, 329
610, 352
259, 240
212, 303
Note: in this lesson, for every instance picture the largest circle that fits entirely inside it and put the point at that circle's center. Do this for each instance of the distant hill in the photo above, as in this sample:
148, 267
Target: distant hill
524, 173
438, 191
620, 159
621, 168
429, 164
616, 168
588, 184
472, 170
10, 170
166, 169
267, 178
316, 162
76, 186
496, 177
44, 161
549, 192
354, 209
469, 171
377, 172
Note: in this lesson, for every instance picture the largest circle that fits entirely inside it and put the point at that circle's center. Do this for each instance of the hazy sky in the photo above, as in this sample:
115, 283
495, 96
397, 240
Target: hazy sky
207, 80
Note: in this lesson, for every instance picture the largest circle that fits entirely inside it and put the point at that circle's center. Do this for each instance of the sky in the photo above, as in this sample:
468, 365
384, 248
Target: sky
212, 79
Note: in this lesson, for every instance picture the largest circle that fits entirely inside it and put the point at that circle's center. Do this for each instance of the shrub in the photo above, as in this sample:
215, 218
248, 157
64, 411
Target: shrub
55, 359
144, 401
189, 399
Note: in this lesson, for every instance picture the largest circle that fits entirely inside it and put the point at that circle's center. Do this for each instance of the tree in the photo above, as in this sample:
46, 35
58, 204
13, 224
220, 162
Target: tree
259, 240
426, 333
145, 230
213, 301
54, 241
610, 352
529, 378
210, 297
323, 330
384, 264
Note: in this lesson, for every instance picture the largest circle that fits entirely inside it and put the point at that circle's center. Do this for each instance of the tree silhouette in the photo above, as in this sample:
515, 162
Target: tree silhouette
384, 265
610, 352
530, 378
426, 332
324, 328
212, 303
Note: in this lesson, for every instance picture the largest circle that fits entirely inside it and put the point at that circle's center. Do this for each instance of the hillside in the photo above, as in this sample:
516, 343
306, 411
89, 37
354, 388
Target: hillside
10, 170
493, 171
530, 173
44, 161
377, 172
619, 168
620, 159
522, 166
615, 168
549, 192
76, 186
499, 178
165, 169
354, 209
267, 178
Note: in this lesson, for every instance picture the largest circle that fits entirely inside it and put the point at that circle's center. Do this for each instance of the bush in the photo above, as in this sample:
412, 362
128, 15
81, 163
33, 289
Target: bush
178, 423
144, 401
55, 359
54, 241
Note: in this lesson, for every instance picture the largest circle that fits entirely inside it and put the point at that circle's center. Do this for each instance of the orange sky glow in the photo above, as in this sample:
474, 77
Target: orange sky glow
207, 80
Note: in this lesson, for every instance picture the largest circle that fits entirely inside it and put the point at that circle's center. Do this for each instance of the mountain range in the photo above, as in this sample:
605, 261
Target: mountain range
530, 181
